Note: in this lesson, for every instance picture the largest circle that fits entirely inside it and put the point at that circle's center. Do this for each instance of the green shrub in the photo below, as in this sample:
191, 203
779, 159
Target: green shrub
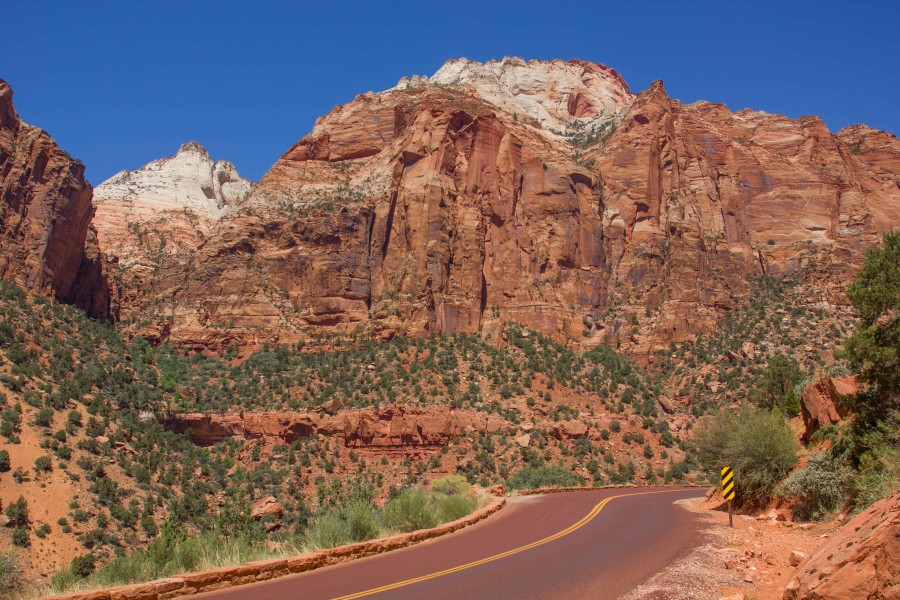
878, 476
82, 566
451, 485
328, 530
12, 579
44, 417
451, 508
21, 537
775, 385
543, 476
755, 443
43, 464
410, 511
362, 520
17, 512
819, 487
4, 461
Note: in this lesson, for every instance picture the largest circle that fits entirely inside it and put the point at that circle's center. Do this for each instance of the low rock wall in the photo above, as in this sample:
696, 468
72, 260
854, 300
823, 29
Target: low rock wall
225, 577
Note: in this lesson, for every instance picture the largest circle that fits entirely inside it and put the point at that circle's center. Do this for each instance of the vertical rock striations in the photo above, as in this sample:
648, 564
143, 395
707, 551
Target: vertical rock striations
540, 192
46, 243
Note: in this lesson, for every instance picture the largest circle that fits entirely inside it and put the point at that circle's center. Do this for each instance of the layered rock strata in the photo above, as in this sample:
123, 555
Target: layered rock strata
538, 192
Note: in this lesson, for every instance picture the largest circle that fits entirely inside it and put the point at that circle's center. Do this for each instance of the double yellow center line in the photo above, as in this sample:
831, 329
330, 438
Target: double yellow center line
571, 528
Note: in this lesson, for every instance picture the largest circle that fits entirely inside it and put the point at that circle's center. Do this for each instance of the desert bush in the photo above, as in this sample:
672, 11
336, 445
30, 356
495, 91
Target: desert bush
543, 476
878, 476
819, 487
410, 511
362, 520
450, 508
17, 512
328, 530
775, 387
755, 443
43, 464
82, 566
21, 537
12, 578
451, 485
4, 461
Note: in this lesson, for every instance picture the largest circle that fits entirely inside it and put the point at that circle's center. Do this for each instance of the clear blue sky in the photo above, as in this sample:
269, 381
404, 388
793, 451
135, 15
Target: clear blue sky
121, 83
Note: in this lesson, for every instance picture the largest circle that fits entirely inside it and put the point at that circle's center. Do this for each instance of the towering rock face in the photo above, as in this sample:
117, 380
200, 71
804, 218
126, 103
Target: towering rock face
697, 198
46, 243
538, 192
150, 221
878, 149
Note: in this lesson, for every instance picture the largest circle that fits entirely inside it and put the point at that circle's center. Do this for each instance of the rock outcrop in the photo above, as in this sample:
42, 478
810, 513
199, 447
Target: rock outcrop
151, 221
861, 560
387, 428
46, 243
538, 192
825, 402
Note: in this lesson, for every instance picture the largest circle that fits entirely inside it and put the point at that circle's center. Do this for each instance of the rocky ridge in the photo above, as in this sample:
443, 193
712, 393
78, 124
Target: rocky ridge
47, 244
432, 208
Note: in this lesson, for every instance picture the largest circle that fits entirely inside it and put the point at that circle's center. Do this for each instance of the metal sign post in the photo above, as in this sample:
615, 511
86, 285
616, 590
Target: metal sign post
728, 491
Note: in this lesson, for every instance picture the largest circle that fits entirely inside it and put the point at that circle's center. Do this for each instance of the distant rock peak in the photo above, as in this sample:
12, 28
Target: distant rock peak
194, 148
188, 179
166, 207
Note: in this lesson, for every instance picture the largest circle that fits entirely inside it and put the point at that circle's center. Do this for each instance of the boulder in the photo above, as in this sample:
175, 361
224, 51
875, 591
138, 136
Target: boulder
822, 403
860, 560
666, 404
266, 505
748, 350
797, 557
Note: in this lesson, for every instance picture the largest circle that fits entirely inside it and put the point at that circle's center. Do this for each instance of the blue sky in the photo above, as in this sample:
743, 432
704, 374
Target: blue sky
121, 83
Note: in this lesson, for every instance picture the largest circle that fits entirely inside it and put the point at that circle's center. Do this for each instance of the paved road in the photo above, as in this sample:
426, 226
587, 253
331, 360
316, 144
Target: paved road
589, 544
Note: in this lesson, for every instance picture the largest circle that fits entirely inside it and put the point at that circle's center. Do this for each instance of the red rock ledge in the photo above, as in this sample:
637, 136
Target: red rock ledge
225, 577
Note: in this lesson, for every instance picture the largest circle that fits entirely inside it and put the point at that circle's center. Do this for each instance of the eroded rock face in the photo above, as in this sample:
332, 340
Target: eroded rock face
861, 560
823, 402
386, 428
151, 221
468, 200
46, 242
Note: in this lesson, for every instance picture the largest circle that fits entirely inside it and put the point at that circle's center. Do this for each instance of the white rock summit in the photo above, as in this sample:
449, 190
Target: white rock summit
564, 97
189, 179
167, 207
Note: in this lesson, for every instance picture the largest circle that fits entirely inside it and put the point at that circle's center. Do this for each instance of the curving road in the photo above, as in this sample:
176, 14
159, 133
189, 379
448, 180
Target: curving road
587, 544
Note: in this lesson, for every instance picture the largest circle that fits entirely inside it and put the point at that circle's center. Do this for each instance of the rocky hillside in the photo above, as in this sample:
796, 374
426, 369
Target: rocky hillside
542, 193
101, 437
46, 242
153, 219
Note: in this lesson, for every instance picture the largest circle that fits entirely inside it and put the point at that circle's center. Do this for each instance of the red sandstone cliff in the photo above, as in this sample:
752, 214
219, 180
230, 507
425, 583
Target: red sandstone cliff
543, 193
46, 242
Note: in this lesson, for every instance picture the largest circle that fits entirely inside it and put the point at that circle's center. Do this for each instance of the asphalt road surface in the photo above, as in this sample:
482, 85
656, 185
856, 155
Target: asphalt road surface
588, 544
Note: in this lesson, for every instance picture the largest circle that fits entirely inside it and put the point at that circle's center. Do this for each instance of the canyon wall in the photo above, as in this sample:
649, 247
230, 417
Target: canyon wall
540, 192
47, 244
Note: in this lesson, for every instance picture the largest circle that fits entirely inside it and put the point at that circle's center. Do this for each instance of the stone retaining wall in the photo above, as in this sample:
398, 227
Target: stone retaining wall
225, 577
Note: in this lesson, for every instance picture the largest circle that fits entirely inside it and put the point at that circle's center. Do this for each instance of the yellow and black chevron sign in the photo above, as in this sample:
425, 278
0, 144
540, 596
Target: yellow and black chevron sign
728, 483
